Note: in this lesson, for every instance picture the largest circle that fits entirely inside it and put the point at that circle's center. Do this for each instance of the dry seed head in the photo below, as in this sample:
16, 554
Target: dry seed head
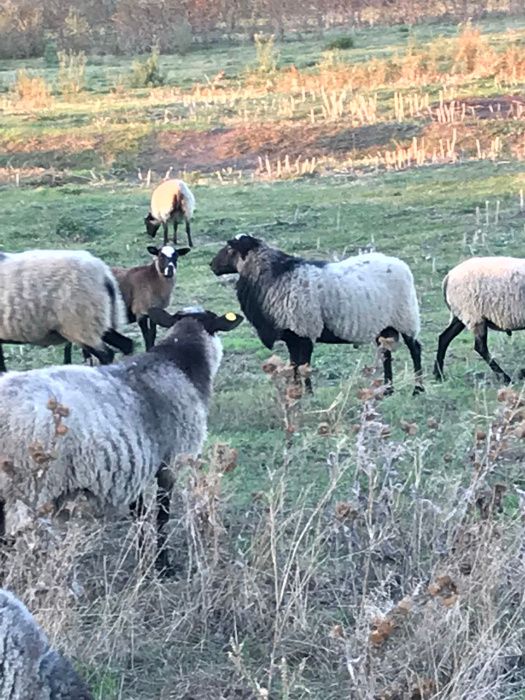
272, 364
52, 404
61, 429
337, 632
432, 423
408, 428
294, 392
323, 429
480, 435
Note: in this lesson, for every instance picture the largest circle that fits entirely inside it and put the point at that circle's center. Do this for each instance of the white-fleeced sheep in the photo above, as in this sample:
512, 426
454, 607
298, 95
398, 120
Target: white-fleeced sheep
48, 297
173, 201
30, 669
125, 424
362, 299
483, 293
148, 286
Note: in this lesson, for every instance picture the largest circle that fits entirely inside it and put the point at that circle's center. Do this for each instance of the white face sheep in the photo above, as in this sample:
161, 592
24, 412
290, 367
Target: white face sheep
173, 201
30, 668
362, 299
123, 424
48, 297
148, 286
483, 293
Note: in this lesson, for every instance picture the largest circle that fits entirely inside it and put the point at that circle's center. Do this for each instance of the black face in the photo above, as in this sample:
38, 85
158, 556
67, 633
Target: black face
152, 225
209, 320
226, 260
167, 258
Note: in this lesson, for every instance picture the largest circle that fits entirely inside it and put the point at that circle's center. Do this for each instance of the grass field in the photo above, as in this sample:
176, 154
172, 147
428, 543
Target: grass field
295, 562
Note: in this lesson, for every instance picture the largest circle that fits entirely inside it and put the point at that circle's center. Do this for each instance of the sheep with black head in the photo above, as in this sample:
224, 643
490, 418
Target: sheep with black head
362, 299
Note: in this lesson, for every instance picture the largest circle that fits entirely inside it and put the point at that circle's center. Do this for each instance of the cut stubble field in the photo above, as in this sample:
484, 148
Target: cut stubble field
372, 551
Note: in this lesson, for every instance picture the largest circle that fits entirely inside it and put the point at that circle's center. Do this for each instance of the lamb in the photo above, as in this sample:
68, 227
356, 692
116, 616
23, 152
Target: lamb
483, 293
173, 201
123, 424
148, 286
358, 300
31, 669
48, 297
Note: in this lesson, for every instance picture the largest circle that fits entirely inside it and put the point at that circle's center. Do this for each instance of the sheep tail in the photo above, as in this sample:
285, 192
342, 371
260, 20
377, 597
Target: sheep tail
118, 312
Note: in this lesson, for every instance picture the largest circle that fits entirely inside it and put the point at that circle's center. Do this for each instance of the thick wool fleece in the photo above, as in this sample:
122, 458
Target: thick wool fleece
355, 299
488, 289
30, 669
124, 422
172, 199
49, 296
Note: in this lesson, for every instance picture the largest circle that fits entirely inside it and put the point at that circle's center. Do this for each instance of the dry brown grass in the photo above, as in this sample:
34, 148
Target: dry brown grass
385, 582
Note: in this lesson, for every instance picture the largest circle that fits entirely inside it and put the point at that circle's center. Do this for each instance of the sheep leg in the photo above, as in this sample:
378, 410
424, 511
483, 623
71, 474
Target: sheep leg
3, 368
166, 234
188, 233
67, 353
387, 370
105, 357
152, 332
144, 327
175, 227
481, 347
137, 510
300, 352
448, 335
414, 348
164, 488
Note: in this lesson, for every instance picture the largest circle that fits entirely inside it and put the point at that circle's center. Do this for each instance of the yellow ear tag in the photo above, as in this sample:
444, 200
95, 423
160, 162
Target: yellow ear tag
230, 316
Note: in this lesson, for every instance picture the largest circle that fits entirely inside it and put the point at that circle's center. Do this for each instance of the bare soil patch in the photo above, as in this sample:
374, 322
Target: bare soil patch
241, 147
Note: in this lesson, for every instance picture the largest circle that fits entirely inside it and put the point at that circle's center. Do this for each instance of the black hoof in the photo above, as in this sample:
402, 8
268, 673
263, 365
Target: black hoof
521, 374
388, 390
418, 389
438, 375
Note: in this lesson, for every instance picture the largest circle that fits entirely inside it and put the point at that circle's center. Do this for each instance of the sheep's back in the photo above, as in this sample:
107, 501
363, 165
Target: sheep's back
490, 288
119, 431
363, 295
170, 198
46, 297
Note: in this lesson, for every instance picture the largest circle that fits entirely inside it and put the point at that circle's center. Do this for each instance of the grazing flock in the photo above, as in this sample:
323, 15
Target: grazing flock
125, 423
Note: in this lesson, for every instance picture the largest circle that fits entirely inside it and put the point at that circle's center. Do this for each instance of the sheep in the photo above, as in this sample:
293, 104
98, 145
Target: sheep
483, 293
149, 286
123, 424
48, 297
358, 300
31, 669
173, 201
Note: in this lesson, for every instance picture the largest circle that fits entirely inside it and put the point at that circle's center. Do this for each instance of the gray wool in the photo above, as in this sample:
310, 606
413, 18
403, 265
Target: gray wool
355, 298
29, 668
48, 296
124, 421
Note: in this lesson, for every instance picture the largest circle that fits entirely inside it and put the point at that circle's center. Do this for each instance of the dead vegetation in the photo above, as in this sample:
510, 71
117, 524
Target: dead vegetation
381, 581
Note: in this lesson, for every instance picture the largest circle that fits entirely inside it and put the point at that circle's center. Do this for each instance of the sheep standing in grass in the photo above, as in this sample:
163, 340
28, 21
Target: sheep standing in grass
362, 299
148, 286
122, 425
171, 201
30, 669
483, 293
48, 297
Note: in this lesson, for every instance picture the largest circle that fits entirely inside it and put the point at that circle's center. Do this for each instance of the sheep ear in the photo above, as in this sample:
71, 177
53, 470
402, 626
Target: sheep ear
161, 317
183, 251
227, 322
243, 244
153, 250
